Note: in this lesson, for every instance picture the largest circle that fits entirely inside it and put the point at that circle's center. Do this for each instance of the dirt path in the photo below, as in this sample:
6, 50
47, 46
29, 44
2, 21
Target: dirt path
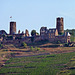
46, 51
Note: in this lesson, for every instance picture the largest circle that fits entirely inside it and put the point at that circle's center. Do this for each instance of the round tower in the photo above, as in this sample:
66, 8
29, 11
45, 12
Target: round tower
12, 28
60, 25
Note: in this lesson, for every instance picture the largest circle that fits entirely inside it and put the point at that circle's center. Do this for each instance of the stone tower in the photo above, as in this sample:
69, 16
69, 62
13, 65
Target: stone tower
12, 28
60, 25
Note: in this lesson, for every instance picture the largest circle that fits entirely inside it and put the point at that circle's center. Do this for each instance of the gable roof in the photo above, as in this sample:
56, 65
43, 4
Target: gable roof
53, 30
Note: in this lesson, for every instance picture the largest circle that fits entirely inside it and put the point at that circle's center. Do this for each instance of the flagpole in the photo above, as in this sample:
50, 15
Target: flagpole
11, 18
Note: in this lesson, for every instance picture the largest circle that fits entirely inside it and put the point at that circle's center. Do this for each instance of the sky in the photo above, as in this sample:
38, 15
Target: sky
33, 14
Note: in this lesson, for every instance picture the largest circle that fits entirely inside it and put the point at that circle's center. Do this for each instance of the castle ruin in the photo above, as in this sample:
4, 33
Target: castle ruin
52, 34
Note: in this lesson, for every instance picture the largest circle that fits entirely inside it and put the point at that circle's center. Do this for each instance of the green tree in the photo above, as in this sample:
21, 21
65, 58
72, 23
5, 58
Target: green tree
1, 45
37, 48
32, 49
24, 44
73, 34
33, 32
3, 36
10, 37
37, 33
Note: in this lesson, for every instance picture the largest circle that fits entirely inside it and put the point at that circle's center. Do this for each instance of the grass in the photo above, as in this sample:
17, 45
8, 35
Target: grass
70, 68
72, 38
36, 65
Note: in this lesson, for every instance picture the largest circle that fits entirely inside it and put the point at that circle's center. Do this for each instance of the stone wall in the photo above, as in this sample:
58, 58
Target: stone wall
17, 41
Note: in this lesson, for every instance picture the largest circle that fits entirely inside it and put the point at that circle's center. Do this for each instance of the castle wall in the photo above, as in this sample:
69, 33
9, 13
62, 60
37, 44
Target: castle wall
61, 39
17, 41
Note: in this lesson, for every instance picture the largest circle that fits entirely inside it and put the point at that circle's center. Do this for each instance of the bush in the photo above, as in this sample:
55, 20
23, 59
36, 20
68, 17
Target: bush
1, 45
37, 48
24, 44
19, 37
66, 45
32, 49
58, 42
32, 39
10, 37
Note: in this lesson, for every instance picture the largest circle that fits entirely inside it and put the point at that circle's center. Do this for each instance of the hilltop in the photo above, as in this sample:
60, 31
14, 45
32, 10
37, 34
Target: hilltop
44, 48
45, 53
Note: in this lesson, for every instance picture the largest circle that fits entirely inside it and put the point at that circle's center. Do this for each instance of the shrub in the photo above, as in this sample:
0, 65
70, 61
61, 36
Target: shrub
19, 37
37, 48
32, 49
66, 45
10, 37
1, 45
24, 44
58, 42
32, 39
5, 50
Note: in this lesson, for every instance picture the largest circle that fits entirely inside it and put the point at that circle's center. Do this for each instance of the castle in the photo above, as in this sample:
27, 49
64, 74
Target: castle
52, 35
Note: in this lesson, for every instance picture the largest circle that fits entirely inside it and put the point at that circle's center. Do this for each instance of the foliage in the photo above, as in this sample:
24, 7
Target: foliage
1, 45
37, 48
37, 33
66, 45
3, 35
19, 37
24, 45
61, 33
5, 50
10, 37
33, 32
32, 39
37, 65
71, 31
58, 42
32, 49
72, 38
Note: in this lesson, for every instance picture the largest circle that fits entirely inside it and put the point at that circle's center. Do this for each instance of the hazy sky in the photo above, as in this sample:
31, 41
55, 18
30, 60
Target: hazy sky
33, 14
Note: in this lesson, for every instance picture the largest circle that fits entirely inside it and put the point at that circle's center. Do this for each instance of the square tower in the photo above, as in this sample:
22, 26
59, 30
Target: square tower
12, 28
60, 25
